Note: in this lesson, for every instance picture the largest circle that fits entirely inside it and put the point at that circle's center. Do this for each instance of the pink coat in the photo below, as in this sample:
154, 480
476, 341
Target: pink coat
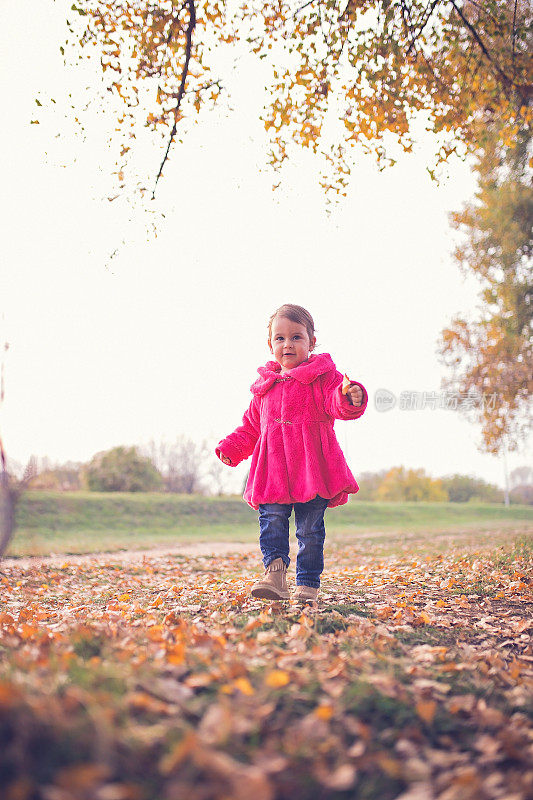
288, 431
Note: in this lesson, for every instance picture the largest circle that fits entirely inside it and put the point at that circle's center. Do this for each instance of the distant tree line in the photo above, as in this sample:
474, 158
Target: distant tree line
400, 484
186, 467
183, 467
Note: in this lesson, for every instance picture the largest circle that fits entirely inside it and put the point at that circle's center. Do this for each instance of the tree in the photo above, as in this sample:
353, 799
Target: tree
521, 480
401, 484
344, 71
182, 464
369, 483
11, 490
491, 357
521, 476
461, 488
57, 477
121, 469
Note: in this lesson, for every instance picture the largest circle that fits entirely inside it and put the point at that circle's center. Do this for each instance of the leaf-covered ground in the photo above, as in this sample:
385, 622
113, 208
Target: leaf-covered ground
161, 679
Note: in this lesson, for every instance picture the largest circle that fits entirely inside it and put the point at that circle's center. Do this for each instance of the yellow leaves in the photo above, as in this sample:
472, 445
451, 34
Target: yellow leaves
277, 678
324, 711
230, 672
242, 685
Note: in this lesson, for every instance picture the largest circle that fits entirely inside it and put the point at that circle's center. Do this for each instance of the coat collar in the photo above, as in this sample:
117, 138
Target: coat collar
316, 364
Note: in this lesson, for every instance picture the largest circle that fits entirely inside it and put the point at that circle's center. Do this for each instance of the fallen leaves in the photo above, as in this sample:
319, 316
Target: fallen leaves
277, 678
119, 683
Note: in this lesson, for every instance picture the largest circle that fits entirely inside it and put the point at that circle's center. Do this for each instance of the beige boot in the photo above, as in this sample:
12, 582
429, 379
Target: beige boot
273, 585
305, 594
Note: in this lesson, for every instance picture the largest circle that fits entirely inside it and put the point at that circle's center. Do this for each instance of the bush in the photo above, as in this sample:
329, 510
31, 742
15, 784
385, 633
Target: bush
66, 478
122, 469
369, 483
400, 484
522, 495
462, 488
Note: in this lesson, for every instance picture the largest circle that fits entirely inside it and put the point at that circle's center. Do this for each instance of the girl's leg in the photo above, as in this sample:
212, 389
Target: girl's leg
310, 532
274, 532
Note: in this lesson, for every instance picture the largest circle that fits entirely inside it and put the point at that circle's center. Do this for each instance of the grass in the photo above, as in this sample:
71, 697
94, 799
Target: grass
81, 522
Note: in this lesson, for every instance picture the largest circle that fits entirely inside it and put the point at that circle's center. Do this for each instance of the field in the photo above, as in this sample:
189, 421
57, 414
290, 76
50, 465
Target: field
89, 522
158, 677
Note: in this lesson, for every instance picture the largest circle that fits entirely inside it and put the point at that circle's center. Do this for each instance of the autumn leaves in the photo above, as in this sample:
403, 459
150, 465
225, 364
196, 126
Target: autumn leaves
412, 678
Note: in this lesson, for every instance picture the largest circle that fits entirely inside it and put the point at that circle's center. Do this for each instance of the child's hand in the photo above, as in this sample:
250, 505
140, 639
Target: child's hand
355, 395
225, 459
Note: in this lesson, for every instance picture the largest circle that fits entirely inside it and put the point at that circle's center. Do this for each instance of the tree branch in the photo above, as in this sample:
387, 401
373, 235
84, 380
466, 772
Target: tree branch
514, 36
302, 7
184, 73
505, 78
428, 12
406, 16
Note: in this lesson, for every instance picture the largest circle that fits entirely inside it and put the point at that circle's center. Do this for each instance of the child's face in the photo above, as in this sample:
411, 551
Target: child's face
289, 343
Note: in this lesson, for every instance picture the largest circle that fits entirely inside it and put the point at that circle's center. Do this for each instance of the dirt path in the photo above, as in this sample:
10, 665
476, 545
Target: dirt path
127, 556
227, 548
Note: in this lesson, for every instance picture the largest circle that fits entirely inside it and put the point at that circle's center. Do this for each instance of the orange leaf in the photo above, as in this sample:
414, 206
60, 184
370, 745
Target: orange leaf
27, 631
324, 711
426, 710
172, 760
81, 776
244, 686
176, 654
277, 678
155, 633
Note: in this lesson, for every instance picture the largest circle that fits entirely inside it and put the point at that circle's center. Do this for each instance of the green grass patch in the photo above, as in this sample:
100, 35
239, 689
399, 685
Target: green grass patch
82, 522
346, 609
434, 636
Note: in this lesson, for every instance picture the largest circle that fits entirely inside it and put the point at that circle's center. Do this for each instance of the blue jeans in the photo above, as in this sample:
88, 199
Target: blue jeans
310, 533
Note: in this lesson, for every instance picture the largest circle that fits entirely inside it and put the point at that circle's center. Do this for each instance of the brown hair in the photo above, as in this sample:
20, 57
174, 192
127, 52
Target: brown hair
295, 314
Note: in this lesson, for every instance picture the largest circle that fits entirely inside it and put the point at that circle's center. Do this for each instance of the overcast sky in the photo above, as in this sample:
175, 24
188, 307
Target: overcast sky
166, 338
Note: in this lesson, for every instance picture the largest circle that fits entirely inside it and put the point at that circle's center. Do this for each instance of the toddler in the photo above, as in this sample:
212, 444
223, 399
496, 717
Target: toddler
296, 458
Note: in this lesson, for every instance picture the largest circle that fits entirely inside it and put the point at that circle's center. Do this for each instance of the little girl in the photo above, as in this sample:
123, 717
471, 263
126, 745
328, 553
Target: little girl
296, 458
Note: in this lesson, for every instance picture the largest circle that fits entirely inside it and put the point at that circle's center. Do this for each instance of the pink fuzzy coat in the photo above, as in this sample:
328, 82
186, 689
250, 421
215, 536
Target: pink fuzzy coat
288, 431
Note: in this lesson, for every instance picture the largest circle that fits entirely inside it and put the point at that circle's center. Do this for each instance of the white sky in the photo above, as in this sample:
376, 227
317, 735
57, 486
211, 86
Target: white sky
168, 339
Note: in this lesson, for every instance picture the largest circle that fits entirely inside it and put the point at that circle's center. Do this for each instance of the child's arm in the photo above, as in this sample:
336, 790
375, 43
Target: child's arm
240, 444
343, 406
